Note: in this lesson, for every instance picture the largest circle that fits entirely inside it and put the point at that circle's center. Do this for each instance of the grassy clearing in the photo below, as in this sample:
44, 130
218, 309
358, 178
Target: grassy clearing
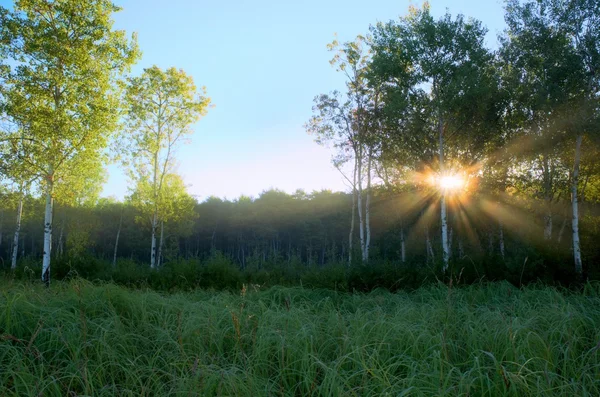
82, 339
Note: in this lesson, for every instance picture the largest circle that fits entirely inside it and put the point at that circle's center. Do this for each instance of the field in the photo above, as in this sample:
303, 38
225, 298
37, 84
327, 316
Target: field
78, 338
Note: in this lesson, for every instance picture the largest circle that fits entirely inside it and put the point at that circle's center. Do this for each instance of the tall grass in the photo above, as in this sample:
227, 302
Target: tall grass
484, 340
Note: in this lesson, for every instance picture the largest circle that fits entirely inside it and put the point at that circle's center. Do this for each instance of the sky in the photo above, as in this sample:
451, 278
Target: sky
262, 63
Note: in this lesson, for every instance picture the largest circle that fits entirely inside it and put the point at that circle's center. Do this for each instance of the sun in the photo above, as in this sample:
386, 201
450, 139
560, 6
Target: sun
451, 182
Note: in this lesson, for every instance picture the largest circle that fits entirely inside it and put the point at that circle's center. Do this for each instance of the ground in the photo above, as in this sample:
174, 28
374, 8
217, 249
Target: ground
77, 338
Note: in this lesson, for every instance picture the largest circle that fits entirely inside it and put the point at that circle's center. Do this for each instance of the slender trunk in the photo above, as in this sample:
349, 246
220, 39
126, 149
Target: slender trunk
117, 242
361, 220
402, 246
160, 243
368, 211
48, 230
153, 247
13, 263
548, 225
60, 238
450, 239
461, 249
429, 247
445, 248
243, 256
561, 231
501, 239
155, 214
575, 221
548, 218
352, 218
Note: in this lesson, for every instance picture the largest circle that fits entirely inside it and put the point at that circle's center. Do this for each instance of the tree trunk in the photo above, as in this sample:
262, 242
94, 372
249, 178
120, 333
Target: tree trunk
548, 225
352, 218
48, 231
114, 264
561, 231
160, 244
429, 247
402, 246
155, 214
548, 217
13, 263
575, 221
60, 239
501, 239
361, 220
153, 247
368, 211
444, 216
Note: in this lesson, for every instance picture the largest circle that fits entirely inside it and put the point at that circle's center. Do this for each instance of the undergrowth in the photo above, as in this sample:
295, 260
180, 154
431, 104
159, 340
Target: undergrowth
80, 338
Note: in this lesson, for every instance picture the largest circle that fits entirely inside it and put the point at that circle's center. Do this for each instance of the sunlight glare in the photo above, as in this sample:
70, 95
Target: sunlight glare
451, 182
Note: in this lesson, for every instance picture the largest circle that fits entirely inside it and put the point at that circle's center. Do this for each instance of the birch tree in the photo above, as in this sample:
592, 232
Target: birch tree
347, 121
438, 73
65, 61
162, 108
580, 19
553, 49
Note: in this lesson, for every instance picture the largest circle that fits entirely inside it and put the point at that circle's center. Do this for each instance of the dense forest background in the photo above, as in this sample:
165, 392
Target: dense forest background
425, 99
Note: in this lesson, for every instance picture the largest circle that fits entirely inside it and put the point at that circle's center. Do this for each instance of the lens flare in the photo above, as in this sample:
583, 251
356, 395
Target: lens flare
451, 182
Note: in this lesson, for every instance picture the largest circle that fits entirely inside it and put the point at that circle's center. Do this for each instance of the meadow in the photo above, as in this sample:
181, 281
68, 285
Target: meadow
487, 339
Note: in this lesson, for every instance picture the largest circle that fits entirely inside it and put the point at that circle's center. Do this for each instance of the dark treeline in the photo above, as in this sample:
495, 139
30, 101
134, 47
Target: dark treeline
489, 239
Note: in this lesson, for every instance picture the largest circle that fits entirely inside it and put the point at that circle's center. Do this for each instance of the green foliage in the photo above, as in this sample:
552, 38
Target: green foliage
60, 90
484, 340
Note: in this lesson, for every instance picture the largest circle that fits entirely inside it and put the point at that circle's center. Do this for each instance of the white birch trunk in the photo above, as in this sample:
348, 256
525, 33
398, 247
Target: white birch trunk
352, 218
575, 221
444, 216
13, 263
368, 212
548, 218
445, 248
47, 232
114, 264
160, 243
361, 220
155, 214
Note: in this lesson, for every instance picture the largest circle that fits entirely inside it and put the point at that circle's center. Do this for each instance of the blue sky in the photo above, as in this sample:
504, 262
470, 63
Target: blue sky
262, 62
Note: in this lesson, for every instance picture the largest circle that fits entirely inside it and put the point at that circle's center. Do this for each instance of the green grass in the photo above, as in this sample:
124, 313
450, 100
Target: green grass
83, 339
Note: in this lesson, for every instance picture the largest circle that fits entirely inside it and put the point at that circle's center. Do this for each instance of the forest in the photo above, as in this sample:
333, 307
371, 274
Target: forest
473, 199
514, 131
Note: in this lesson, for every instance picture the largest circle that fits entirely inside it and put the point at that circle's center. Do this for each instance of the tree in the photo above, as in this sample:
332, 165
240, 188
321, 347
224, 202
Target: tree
350, 123
61, 86
162, 107
552, 48
581, 21
437, 77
